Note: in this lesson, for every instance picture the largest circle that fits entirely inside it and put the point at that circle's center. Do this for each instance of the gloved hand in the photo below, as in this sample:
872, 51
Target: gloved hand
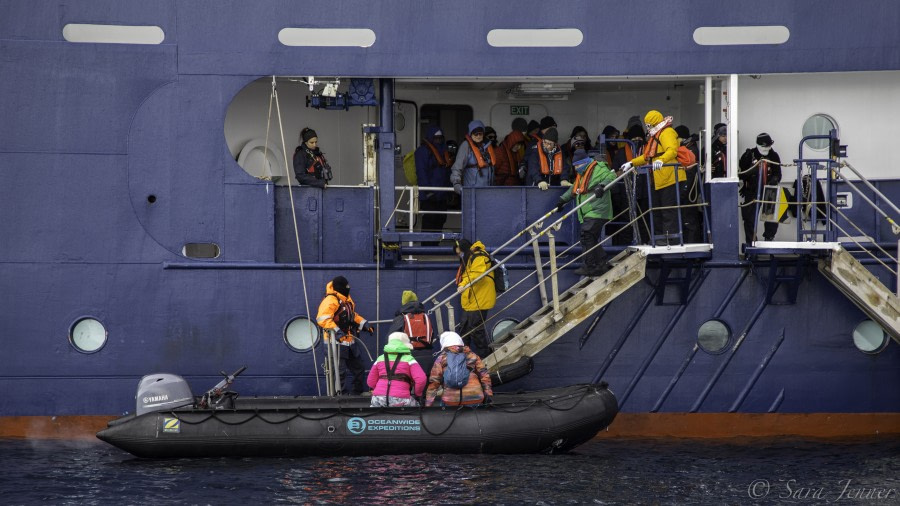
625, 166
565, 183
657, 164
457, 188
365, 327
559, 206
599, 190
543, 185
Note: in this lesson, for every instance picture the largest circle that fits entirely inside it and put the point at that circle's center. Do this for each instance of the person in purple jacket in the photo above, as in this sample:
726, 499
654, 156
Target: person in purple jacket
396, 376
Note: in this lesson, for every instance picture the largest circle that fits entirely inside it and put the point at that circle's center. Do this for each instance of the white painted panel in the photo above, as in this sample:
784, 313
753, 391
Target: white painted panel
113, 34
535, 37
319, 37
741, 35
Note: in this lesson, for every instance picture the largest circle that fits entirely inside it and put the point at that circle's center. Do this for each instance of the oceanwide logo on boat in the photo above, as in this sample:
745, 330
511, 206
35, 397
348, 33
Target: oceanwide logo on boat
358, 425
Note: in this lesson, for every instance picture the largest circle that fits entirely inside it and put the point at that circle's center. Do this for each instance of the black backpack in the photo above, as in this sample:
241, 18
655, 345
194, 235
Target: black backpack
500, 275
344, 316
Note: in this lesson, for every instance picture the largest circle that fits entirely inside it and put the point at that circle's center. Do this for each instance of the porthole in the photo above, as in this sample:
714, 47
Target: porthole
200, 250
301, 334
869, 337
713, 336
503, 327
87, 335
818, 124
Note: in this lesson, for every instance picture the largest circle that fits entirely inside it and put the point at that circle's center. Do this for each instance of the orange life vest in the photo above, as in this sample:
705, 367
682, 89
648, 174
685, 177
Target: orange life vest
418, 327
443, 161
557, 162
479, 157
583, 180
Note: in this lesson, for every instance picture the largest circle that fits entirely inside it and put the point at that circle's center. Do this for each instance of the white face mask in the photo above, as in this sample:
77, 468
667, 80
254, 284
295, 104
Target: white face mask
763, 150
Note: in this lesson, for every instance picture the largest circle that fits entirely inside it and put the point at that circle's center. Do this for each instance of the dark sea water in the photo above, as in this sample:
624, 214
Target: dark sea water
600, 472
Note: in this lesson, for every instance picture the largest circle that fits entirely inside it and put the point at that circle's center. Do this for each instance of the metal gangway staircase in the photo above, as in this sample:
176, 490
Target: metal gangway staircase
579, 302
823, 227
865, 290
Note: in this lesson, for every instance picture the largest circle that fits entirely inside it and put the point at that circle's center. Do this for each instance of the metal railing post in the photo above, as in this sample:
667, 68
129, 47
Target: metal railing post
542, 288
554, 284
451, 317
335, 365
439, 319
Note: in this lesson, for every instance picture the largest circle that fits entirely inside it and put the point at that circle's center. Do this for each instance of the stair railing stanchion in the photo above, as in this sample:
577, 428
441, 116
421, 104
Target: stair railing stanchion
439, 317
451, 317
539, 268
335, 365
554, 284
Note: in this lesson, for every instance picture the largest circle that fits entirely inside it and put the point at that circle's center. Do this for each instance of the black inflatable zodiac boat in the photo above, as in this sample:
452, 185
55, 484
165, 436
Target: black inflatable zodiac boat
171, 422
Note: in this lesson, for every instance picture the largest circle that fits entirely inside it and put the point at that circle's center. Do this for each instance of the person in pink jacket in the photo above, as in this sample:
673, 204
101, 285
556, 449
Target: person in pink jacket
396, 376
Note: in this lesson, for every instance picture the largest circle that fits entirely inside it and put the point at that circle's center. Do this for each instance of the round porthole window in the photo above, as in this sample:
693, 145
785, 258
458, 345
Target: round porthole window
713, 336
818, 124
87, 335
502, 328
869, 337
300, 334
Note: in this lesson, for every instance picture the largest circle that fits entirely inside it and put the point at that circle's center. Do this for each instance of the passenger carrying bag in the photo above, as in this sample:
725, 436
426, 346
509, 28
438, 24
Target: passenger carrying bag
456, 374
418, 327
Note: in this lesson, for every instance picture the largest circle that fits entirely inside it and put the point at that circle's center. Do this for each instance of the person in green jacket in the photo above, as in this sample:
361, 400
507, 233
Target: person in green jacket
591, 177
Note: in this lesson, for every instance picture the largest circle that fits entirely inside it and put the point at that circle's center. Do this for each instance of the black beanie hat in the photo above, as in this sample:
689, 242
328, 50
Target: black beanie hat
533, 125
341, 285
764, 140
547, 122
551, 135
683, 131
520, 124
609, 130
307, 134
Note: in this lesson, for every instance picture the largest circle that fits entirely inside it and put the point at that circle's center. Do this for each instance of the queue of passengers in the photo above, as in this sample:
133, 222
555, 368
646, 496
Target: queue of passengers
532, 154
457, 376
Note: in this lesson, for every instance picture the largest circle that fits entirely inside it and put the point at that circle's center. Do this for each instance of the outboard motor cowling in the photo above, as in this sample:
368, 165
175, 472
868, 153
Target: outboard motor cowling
162, 392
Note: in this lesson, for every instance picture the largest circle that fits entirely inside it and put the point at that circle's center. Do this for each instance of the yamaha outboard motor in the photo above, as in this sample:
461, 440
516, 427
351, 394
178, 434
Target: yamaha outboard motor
162, 392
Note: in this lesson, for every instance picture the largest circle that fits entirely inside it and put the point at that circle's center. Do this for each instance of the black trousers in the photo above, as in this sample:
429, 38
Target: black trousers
748, 213
591, 228
665, 221
474, 333
351, 360
433, 222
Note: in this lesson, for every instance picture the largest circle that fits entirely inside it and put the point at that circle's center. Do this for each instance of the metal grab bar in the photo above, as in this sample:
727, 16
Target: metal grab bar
876, 191
537, 223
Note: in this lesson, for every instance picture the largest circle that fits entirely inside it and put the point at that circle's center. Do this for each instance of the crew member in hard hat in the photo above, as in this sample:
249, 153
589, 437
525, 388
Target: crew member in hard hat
660, 151
337, 313
760, 167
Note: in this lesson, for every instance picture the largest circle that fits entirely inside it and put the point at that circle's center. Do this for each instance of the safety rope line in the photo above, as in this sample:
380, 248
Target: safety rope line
287, 175
511, 407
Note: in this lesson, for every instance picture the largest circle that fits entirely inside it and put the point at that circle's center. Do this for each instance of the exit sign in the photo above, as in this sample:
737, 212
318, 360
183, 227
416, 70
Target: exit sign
518, 110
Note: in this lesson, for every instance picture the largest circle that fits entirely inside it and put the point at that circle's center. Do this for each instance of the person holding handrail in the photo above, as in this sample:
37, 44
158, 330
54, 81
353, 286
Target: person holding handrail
591, 177
661, 151
477, 299
337, 313
760, 167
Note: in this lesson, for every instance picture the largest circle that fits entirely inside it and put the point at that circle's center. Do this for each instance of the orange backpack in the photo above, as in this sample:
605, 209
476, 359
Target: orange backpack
418, 327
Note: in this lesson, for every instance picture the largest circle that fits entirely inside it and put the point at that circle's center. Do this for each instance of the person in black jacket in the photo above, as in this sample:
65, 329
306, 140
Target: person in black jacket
310, 166
761, 174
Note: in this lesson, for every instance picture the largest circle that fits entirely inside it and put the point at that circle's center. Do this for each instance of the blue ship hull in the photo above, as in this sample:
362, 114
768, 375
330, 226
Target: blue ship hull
113, 159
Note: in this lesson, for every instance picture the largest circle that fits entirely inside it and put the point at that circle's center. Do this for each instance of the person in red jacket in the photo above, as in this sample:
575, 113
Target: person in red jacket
337, 314
510, 155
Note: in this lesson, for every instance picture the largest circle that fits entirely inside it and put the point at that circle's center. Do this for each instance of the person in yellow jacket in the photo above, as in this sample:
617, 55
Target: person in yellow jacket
337, 313
662, 149
477, 299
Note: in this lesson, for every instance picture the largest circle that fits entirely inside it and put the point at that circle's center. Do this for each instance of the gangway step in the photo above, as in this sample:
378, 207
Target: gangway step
587, 297
865, 290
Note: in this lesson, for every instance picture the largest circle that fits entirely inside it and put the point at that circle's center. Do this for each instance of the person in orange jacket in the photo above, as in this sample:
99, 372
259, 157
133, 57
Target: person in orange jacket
337, 313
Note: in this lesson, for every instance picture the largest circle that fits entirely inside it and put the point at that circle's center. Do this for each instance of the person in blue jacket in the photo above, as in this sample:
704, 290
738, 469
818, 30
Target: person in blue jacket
433, 164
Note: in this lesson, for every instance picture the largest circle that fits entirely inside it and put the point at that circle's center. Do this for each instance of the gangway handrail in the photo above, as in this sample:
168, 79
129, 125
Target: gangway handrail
527, 243
875, 190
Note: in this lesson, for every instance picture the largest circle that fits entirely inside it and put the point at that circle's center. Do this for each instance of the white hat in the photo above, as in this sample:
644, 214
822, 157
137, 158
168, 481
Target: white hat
451, 338
400, 336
